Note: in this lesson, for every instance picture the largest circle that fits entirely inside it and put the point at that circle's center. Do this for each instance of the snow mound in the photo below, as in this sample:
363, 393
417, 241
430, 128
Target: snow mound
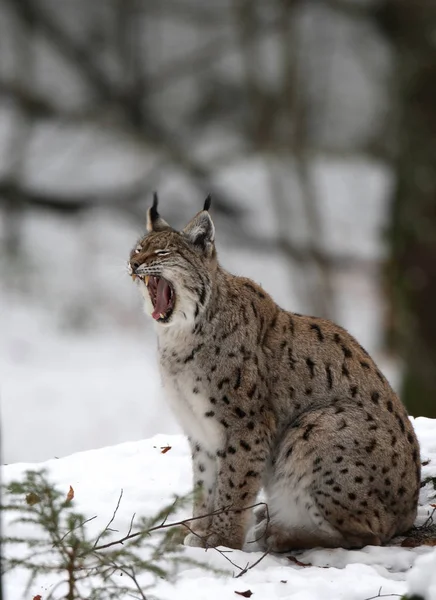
150, 478
422, 578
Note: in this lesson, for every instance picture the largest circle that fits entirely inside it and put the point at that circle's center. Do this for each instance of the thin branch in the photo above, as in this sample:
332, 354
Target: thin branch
380, 595
182, 522
131, 524
170, 510
249, 567
132, 575
110, 521
267, 518
129, 571
221, 552
429, 520
77, 527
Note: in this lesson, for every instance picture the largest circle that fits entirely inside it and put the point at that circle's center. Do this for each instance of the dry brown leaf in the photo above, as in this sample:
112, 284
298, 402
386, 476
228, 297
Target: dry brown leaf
413, 543
299, 563
246, 594
38, 597
165, 449
32, 499
70, 494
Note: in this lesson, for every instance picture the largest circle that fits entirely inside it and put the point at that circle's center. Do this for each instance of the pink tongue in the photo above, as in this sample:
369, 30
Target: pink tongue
163, 294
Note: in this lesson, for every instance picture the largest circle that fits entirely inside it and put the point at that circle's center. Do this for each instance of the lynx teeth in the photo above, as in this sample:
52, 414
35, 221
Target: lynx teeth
146, 279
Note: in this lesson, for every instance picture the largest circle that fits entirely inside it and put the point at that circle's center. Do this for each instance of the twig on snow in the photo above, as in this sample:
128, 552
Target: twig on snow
380, 595
248, 567
110, 521
165, 525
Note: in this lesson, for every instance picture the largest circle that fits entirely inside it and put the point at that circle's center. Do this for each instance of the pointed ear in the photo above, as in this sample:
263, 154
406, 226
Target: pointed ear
154, 220
201, 230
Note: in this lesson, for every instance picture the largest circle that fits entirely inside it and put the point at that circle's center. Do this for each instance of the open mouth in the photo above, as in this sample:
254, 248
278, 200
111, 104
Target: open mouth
162, 296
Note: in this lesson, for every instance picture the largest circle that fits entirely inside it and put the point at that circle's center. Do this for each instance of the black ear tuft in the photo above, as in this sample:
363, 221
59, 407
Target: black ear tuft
154, 220
207, 202
153, 210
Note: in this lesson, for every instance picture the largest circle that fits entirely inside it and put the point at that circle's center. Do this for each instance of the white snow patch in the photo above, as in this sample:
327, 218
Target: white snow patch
421, 580
150, 479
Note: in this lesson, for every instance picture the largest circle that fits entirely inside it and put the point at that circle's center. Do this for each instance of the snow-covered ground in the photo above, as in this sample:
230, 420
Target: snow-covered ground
150, 478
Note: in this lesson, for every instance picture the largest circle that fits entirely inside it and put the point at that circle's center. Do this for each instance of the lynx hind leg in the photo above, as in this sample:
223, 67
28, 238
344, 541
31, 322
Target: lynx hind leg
294, 520
315, 494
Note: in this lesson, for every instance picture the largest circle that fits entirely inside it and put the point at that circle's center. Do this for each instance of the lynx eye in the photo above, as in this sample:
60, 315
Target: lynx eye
162, 252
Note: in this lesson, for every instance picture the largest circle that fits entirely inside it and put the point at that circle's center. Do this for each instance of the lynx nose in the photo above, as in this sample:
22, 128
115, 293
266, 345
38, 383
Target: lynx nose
135, 264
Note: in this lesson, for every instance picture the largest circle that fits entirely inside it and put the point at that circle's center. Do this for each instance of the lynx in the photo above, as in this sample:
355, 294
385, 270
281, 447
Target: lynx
272, 399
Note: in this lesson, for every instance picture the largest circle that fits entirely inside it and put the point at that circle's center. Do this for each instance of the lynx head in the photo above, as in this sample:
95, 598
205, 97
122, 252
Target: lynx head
175, 270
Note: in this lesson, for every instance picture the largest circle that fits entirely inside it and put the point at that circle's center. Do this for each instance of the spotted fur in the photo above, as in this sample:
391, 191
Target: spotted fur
274, 399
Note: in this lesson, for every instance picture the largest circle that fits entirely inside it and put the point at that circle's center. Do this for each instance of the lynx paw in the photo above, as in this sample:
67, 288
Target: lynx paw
260, 513
201, 539
258, 533
270, 537
195, 540
211, 540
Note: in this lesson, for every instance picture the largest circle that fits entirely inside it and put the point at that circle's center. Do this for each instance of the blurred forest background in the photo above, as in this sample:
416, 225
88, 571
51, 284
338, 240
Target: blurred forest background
311, 122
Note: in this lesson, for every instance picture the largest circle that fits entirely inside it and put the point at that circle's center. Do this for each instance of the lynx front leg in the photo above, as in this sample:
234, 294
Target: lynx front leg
239, 480
204, 467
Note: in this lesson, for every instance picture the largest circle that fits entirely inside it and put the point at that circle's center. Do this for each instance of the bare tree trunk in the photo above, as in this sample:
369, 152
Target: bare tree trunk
320, 292
413, 230
13, 200
278, 128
